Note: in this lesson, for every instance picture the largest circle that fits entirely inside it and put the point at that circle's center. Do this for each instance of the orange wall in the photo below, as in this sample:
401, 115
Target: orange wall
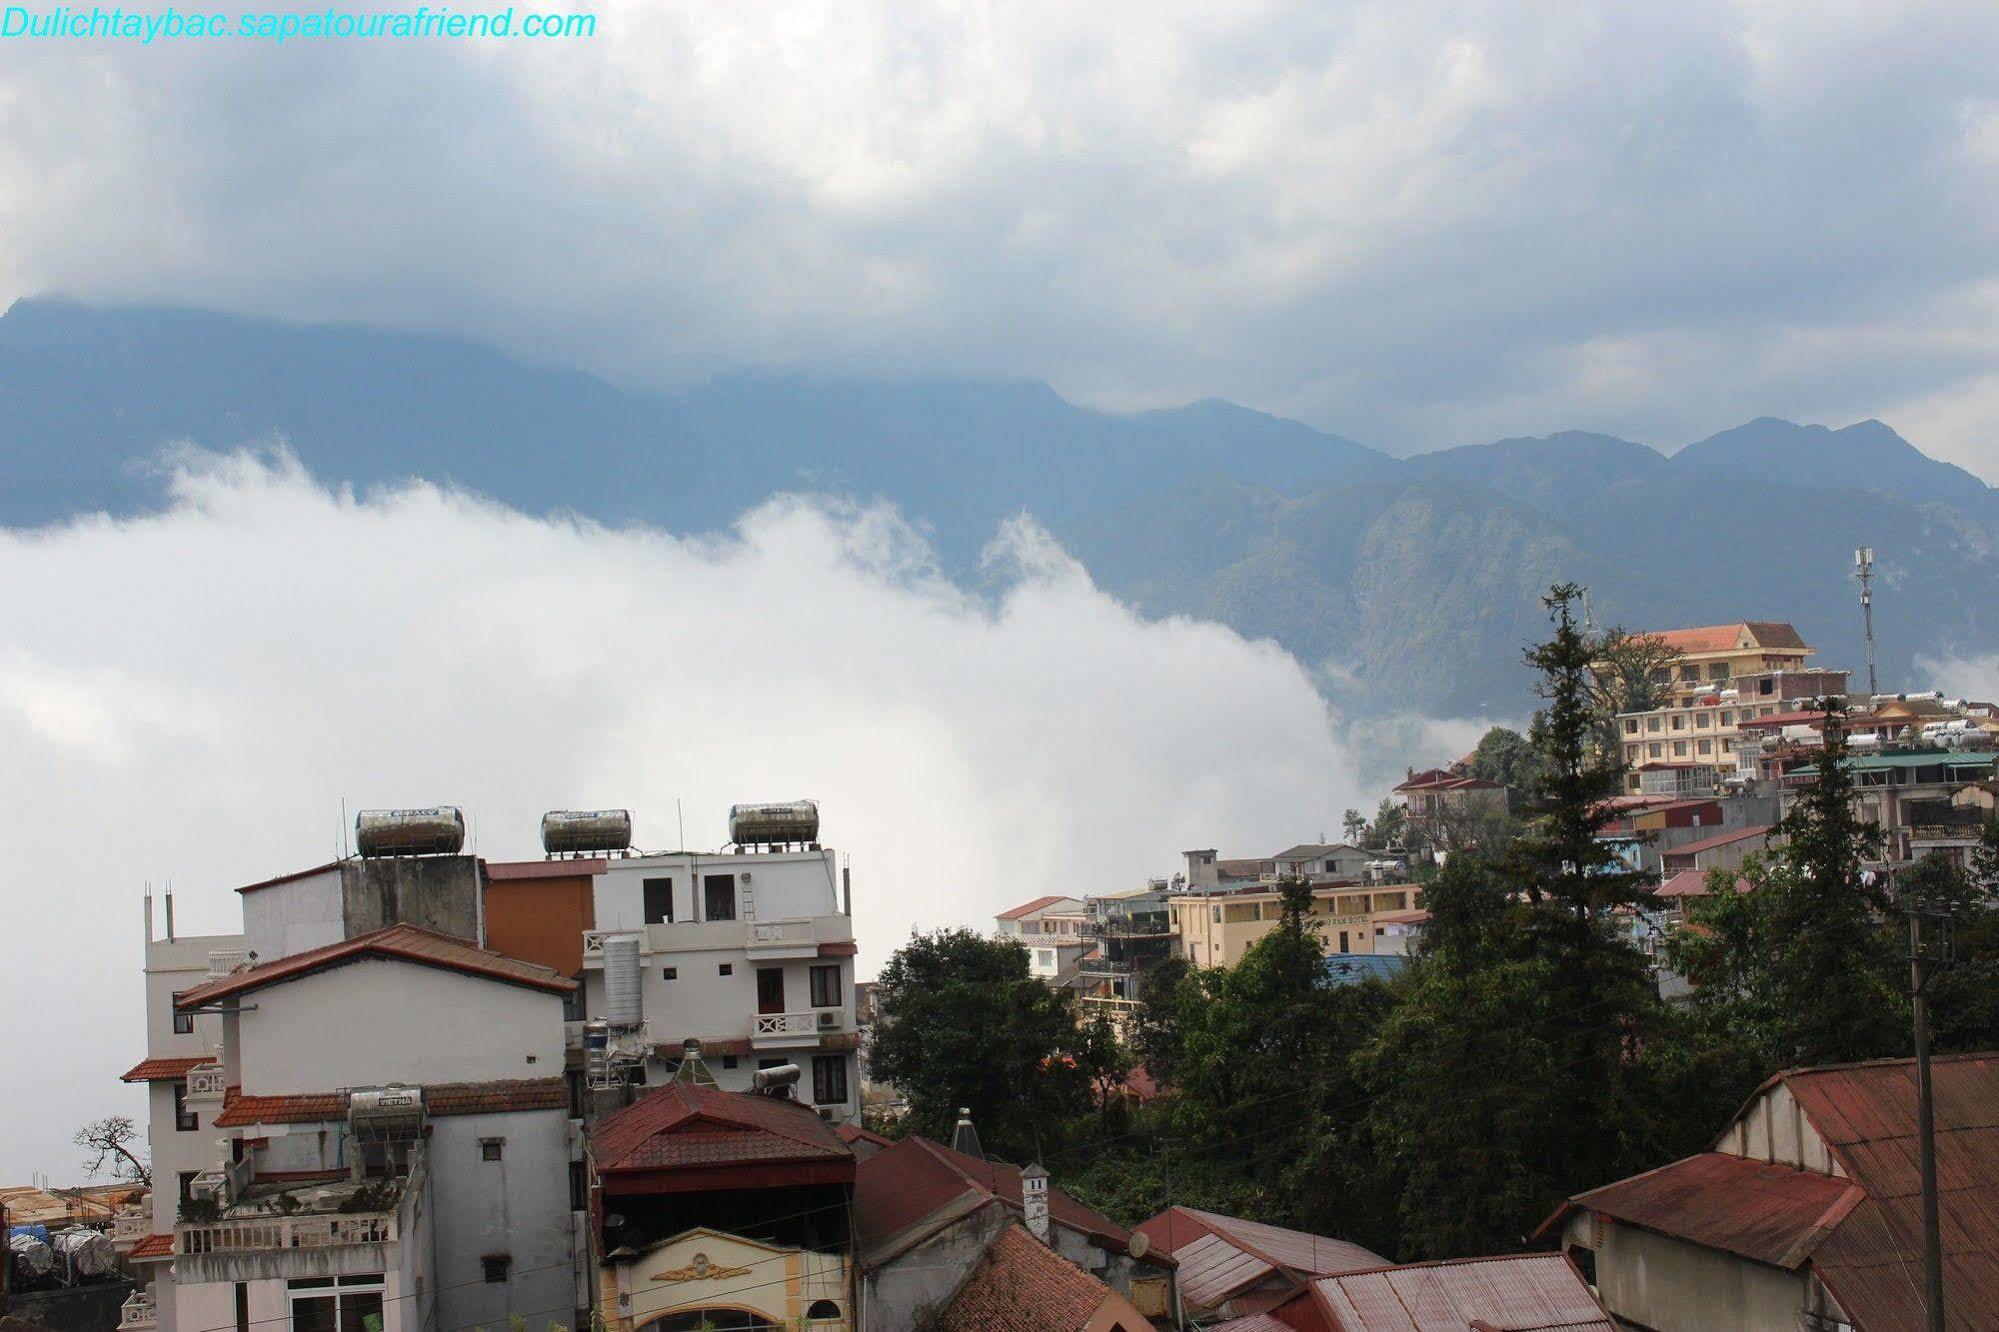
541, 920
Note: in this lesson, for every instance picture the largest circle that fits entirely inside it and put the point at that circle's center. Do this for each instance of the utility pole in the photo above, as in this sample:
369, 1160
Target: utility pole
1928, 954
1863, 569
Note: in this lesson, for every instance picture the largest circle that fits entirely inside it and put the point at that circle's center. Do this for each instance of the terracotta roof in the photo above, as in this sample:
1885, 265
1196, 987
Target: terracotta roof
1526, 1292
1022, 1285
1220, 1256
1774, 1214
152, 1246
444, 1098
1726, 637
501, 871
403, 943
1029, 908
899, 1191
1693, 883
1788, 719
293, 877
683, 1125
1259, 1322
1406, 916
170, 1068
1719, 839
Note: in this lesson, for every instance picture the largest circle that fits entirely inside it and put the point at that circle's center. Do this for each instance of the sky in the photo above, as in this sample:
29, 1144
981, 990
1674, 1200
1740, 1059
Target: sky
1417, 224
189, 697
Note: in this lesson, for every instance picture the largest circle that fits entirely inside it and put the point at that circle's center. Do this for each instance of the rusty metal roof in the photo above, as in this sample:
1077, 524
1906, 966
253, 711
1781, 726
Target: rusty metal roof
1772, 1213
1526, 1292
1222, 1256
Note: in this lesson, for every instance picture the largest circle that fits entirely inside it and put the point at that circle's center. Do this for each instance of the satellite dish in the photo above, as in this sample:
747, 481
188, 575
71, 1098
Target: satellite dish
1141, 1244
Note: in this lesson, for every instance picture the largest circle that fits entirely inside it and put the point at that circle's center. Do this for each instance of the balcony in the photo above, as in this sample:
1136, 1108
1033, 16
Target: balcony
131, 1225
1104, 966
138, 1312
206, 1083
222, 961
344, 1227
775, 1030
765, 940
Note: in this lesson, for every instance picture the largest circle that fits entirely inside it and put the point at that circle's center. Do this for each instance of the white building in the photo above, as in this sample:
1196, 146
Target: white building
749, 953
455, 1206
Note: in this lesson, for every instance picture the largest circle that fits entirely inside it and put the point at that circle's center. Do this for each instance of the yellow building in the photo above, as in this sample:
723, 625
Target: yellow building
1215, 929
1726, 674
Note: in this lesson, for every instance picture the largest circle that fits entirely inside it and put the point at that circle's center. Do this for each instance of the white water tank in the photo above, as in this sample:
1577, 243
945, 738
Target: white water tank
784, 821
33, 1258
623, 1004
88, 1253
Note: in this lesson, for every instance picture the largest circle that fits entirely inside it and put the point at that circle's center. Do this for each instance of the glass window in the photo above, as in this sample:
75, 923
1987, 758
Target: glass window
1705, 746
659, 901
825, 987
669, 973
1655, 749
1651, 723
1703, 719
183, 1024
1631, 726
1717, 670
185, 1120
718, 893
829, 1079
492, 1149
354, 1304
1679, 749
1679, 721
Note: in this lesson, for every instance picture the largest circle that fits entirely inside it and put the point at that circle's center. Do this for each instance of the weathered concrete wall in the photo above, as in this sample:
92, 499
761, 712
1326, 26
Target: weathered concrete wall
93, 1308
897, 1294
436, 892
1673, 1286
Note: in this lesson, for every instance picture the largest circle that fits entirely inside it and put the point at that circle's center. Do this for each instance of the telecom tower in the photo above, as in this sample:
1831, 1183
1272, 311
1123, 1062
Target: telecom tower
1863, 569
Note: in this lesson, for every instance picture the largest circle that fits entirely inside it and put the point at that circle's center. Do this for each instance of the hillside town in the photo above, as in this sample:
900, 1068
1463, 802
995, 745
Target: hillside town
651, 1091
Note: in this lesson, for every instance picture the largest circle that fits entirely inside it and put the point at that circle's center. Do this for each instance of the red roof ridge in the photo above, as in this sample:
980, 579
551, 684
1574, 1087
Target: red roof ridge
403, 942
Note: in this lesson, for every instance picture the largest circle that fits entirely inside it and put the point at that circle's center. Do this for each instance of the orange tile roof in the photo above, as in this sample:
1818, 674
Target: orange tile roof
1726, 637
683, 1124
153, 1246
444, 1098
405, 943
1022, 1285
1028, 908
170, 1068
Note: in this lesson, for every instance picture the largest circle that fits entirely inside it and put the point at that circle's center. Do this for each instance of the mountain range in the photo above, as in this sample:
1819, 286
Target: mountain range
1407, 584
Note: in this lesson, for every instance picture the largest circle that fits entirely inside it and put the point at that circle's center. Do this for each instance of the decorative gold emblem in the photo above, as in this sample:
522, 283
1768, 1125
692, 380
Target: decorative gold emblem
700, 1270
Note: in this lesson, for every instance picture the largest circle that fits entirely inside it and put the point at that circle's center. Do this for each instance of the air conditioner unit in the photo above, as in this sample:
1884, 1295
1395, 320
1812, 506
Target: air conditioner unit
828, 1020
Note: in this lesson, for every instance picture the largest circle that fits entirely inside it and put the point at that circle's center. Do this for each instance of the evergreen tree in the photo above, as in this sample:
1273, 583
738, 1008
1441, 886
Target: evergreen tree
1831, 973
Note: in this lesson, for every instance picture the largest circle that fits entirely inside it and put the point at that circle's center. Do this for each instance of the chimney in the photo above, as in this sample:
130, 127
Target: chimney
1034, 1200
965, 1138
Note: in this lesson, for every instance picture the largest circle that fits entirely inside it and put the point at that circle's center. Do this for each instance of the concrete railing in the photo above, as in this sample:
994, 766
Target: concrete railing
799, 1024
251, 1234
206, 1083
138, 1312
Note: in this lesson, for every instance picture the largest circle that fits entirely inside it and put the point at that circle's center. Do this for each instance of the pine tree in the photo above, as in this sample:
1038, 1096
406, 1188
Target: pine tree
1831, 979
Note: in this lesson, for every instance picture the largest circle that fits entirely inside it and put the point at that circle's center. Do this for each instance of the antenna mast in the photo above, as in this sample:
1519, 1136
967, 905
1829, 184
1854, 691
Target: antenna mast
1863, 569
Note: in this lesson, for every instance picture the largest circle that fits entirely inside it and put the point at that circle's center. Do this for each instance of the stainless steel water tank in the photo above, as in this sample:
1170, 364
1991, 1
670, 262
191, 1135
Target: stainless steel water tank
623, 1005
571, 830
783, 821
435, 830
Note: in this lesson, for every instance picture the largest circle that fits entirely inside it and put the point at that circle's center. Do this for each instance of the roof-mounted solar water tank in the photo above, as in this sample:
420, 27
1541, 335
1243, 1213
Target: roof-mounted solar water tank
773, 824
438, 830
580, 831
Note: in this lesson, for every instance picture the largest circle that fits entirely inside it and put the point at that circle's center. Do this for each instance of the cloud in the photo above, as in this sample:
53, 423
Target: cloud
1418, 224
190, 696
1973, 677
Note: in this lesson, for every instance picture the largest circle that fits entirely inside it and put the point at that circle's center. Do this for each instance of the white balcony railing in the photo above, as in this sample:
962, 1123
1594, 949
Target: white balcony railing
206, 1083
817, 1022
138, 1312
780, 933
222, 961
131, 1225
255, 1234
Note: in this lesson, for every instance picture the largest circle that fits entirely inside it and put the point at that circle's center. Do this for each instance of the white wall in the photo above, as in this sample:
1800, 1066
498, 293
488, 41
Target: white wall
784, 885
518, 1206
289, 918
1672, 1286
380, 1020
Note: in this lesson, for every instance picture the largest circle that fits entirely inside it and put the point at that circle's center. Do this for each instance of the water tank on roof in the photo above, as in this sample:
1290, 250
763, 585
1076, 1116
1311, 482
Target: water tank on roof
33, 1258
784, 821
386, 1114
435, 830
623, 1004
778, 1078
565, 831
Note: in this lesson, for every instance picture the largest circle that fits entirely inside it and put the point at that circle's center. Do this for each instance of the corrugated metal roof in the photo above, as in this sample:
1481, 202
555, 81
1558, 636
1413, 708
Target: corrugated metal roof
1719, 839
1772, 1213
1528, 1292
1212, 1269
1222, 1256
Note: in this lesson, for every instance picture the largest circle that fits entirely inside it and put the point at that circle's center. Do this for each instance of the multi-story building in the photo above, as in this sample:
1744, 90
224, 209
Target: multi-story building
1051, 929
1725, 675
1445, 805
359, 1114
1923, 800
1216, 928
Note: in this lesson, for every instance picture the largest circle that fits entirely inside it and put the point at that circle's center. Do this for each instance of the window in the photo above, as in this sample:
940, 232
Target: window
1343, 942
1727, 717
718, 896
1218, 914
1631, 726
1766, 686
579, 1188
1631, 753
659, 901
187, 1184
1679, 721
829, 1079
322, 1304
185, 1120
1703, 719
492, 1149
1654, 750
1652, 724
1044, 957
1718, 671
726, 969
1679, 749
242, 1306
1705, 746
822, 1309
728, 1061
494, 1266
183, 1024
669, 973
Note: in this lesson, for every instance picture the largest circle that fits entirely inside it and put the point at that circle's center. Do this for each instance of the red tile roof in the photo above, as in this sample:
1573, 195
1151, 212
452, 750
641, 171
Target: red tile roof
1725, 637
152, 1246
500, 871
1772, 1213
293, 877
166, 1069
444, 1098
1526, 1292
901, 1189
1786, 719
1021, 1285
684, 1127
403, 943
1719, 839
1029, 908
